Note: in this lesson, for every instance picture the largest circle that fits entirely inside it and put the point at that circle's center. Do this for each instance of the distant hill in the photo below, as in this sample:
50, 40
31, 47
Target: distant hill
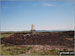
40, 31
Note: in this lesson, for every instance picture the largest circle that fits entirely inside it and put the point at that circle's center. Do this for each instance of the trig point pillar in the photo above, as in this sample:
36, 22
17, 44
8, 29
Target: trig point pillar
32, 29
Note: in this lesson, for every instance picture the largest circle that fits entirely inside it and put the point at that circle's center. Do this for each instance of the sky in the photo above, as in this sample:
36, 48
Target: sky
45, 15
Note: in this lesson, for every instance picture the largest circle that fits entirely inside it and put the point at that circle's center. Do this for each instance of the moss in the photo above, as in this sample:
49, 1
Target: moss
13, 50
65, 50
54, 52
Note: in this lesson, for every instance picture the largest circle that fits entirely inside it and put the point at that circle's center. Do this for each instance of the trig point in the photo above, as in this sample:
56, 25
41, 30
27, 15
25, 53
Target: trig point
32, 29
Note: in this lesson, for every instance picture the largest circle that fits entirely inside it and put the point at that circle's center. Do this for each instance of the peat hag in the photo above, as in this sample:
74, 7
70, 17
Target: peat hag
41, 38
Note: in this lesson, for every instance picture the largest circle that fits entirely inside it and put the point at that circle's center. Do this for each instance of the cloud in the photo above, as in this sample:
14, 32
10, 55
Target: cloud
47, 5
56, 27
44, 5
